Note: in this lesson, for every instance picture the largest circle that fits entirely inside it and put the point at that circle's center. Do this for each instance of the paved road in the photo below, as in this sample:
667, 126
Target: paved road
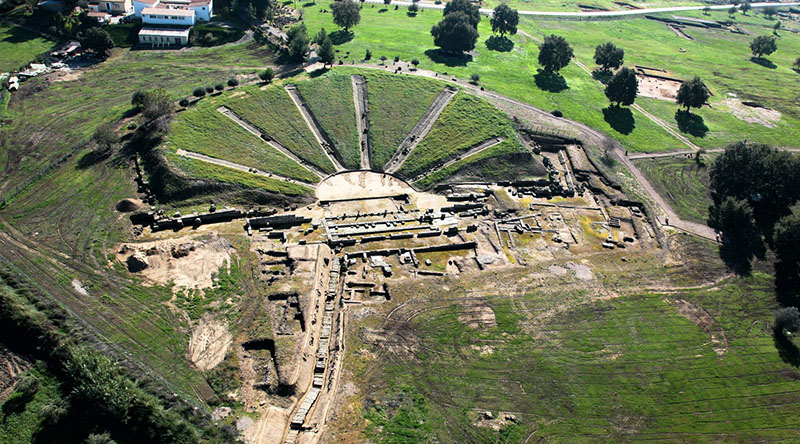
595, 14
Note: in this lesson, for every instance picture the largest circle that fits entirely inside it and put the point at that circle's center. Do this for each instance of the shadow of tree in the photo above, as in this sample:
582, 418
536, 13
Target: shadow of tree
93, 157
382, 10
738, 254
318, 72
500, 44
763, 62
437, 56
411, 14
689, 123
339, 37
620, 119
601, 75
787, 283
787, 350
550, 81
309, 4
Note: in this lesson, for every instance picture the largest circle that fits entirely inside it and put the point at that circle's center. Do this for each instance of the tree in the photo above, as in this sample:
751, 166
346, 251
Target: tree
769, 11
732, 11
763, 45
415, 62
387, 2
707, 10
368, 55
157, 104
298, 43
219, 86
734, 218
776, 27
413, 7
346, 14
474, 78
797, 64
787, 320
504, 20
455, 33
98, 40
469, 9
745, 7
320, 37
623, 87
692, 93
199, 92
233, 81
608, 56
104, 136
787, 238
137, 99
325, 51
267, 75
555, 53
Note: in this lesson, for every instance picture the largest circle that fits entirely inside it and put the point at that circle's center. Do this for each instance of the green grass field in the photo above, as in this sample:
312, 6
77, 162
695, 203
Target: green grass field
272, 110
330, 99
630, 369
198, 168
716, 56
18, 47
491, 165
396, 103
201, 129
465, 122
683, 184
570, 5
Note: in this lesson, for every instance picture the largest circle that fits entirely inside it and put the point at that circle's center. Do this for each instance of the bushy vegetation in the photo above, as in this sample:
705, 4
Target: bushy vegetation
330, 98
465, 122
272, 110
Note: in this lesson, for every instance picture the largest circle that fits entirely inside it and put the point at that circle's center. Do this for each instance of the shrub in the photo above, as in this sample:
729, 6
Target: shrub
396, 59
267, 75
219, 86
233, 81
787, 320
557, 113
138, 98
368, 55
184, 102
383, 59
199, 92
415, 62
474, 78
209, 89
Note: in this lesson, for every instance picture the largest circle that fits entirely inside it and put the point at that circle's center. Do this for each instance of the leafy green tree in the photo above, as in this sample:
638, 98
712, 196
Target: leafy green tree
298, 46
623, 87
776, 27
98, 40
732, 11
455, 33
734, 218
325, 51
320, 36
157, 104
346, 14
387, 2
104, 136
471, 10
368, 55
504, 20
769, 11
763, 45
787, 320
267, 75
692, 93
797, 63
137, 99
555, 53
608, 56
787, 238
745, 7
413, 8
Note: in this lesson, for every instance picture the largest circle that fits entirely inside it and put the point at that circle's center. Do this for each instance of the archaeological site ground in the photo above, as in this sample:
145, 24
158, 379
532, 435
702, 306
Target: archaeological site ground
300, 226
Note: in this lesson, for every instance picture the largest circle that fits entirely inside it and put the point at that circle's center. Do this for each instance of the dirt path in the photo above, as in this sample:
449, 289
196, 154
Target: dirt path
270, 141
420, 130
362, 117
485, 145
633, 13
685, 152
311, 122
241, 167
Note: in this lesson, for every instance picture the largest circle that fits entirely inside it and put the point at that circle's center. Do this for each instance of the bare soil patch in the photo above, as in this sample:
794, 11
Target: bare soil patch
186, 262
209, 344
657, 88
701, 318
361, 184
751, 114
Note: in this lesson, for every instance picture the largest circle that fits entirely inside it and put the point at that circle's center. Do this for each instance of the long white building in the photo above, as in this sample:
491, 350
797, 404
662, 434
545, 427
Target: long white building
167, 22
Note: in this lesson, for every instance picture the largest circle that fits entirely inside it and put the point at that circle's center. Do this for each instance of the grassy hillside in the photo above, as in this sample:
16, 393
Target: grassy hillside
19, 47
628, 369
218, 173
465, 122
272, 110
396, 103
682, 183
202, 129
330, 99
